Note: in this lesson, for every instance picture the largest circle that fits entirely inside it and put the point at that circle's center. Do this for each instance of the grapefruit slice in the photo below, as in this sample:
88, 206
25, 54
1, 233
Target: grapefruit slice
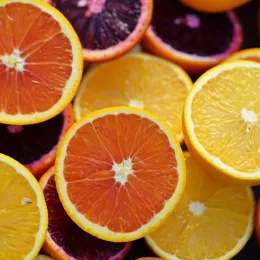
65, 240
137, 80
35, 146
252, 54
119, 173
196, 41
222, 121
107, 28
40, 62
213, 220
23, 218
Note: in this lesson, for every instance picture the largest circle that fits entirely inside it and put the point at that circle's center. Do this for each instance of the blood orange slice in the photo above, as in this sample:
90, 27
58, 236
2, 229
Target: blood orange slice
35, 146
196, 41
40, 62
65, 240
119, 173
107, 28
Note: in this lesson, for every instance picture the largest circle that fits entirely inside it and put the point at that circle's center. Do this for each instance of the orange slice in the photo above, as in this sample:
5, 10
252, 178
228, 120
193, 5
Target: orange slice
137, 80
213, 220
24, 217
252, 54
40, 62
222, 121
119, 173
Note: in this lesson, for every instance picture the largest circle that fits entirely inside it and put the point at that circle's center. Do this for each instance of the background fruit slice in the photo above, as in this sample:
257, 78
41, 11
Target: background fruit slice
107, 28
213, 220
35, 146
196, 41
221, 121
23, 218
65, 240
137, 80
40, 62
128, 165
252, 54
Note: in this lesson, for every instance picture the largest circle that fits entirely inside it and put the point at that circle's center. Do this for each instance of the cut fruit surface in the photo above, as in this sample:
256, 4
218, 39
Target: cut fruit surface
107, 28
129, 166
222, 121
35, 146
137, 80
40, 62
24, 217
196, 41
213, 219
66, 240
252, 54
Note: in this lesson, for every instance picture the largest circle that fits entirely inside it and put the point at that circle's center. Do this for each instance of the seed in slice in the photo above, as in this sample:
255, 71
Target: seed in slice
252, 54
137, 80
43, 257
196, 41
107, 28
119, 173
257, 222
24, 217
40, 62
213, 220
35, 146
222, 121
66, 240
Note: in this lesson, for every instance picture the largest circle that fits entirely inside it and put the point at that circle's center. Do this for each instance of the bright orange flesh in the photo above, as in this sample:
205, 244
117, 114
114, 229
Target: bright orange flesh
93, 151
35, 59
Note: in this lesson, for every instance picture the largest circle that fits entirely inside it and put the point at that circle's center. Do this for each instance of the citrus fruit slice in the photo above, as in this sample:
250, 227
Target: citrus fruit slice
119, 173
65, 240
257, 222
43, 257
222, 121
40, 62
196, 41
213, 220
23, 218
35, 146
214, 6
107, 28
137, 80
252, 54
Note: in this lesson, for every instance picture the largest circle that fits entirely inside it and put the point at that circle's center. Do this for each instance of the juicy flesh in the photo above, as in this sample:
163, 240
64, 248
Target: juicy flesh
137, 82
76, 243
19, 214
89, 170
101, 24
35, 59
226, 117
213, 232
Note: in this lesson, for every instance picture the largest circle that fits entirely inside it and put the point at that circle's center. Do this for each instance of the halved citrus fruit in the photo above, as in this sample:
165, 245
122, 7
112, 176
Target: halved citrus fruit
252, 54
24, 217
137, 80
213, 220
119, 173
107, 28
196, 41
222, 121
35, 146
40, 62
214, 6
257, 222
66, 240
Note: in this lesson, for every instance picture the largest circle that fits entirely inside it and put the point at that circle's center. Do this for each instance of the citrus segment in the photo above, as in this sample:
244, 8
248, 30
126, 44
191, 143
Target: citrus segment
221, 121
137, 80
129, 166
65, 240
252, 54
40, 62
23, 215
213, 220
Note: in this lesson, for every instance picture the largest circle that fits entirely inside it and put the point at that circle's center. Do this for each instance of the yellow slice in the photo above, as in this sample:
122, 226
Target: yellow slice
23, 212
222, 121
252, 54
213, 220
137, 80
